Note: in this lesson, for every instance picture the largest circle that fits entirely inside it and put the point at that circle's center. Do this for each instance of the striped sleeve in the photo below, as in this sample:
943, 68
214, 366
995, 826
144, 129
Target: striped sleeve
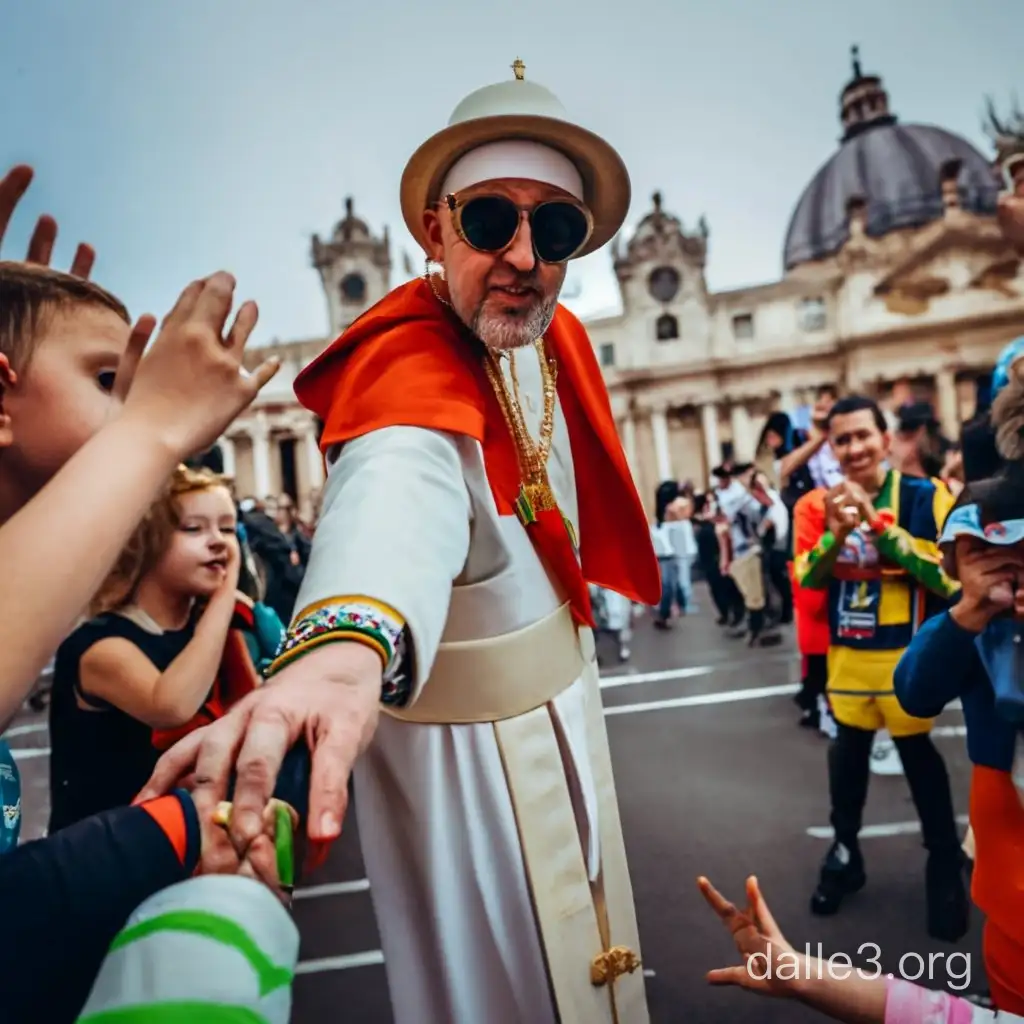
811, 541
916, 549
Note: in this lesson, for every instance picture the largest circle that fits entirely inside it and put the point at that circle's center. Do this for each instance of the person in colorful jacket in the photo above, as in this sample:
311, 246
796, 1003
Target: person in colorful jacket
876, 556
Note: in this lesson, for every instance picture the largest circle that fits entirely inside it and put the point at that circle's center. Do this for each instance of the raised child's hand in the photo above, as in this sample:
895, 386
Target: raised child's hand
13, 185
191, 383
758, 940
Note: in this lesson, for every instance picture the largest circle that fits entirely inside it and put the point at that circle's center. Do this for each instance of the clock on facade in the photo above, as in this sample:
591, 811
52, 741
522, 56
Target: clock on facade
664, 283
353, 288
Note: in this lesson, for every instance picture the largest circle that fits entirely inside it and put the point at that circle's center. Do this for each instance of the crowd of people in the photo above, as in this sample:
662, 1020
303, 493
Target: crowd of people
220, 674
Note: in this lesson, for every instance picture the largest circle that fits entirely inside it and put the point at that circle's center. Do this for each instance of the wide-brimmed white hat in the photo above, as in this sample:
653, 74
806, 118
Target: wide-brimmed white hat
518, 110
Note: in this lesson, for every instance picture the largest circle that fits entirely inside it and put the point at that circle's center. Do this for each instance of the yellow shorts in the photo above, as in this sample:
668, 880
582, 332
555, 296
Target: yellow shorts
861, 695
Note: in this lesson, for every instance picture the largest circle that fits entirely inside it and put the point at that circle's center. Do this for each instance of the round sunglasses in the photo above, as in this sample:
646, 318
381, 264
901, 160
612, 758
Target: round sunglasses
490, 223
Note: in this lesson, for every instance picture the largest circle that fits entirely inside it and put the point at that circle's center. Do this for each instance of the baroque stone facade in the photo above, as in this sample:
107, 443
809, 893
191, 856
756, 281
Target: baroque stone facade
273, 448
897, 283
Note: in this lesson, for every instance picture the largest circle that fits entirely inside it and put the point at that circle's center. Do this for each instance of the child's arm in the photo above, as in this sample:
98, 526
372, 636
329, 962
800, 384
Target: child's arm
57, 551
67, 896
116, 671
938, 666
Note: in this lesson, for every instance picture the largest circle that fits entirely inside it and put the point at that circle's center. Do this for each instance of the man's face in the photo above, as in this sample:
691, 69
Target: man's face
859, 445
61, 398
507, 299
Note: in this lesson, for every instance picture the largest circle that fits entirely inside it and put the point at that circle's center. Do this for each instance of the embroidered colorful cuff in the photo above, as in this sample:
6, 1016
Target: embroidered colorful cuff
358, 619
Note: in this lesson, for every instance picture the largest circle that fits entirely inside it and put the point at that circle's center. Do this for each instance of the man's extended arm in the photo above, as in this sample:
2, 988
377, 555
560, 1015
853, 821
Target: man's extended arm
392, 538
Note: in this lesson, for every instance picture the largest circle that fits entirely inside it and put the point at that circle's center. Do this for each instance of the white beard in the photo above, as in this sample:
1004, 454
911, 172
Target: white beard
503, 333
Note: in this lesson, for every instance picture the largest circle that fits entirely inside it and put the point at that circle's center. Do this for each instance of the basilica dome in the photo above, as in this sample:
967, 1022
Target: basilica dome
894, 169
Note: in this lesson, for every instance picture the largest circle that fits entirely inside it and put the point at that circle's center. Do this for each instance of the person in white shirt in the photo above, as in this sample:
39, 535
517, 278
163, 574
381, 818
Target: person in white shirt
745, 512
774, 531
684, 546
661, 537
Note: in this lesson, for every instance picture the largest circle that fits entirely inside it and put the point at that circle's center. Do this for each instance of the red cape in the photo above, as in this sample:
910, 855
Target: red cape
409, 362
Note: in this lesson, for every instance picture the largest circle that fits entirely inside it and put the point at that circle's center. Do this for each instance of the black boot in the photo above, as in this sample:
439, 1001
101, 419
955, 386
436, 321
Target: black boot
948, 905
949, 910
842, 874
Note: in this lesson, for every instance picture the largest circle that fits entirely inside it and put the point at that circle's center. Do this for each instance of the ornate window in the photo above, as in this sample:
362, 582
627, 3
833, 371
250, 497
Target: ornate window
743, 326
353, 288
813, 315
666, 327
608, 354
664, 283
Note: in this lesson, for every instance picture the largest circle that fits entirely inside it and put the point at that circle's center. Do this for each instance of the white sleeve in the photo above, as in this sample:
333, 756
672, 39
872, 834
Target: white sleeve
392, 537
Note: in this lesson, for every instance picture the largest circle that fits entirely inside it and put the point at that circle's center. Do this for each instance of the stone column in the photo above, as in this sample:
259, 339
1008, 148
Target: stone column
662, 455
314, 460
742, 433
947, 403
709, 431
787, 400
629, 442
227, 449
259, 432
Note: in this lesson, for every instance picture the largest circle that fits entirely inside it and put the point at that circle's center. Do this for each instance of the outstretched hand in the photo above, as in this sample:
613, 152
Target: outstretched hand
191, 384
13, 187
758, 940
330, 698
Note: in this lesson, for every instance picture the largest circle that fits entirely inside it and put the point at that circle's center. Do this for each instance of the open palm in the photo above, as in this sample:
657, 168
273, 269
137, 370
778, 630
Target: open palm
765, 951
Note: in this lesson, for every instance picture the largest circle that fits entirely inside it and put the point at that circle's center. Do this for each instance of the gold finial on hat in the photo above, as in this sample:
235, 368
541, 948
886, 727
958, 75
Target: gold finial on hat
519, 68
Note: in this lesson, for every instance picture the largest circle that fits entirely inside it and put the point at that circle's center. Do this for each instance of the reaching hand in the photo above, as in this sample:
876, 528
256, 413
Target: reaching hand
191, 384
758, 940
330, 697
13, 187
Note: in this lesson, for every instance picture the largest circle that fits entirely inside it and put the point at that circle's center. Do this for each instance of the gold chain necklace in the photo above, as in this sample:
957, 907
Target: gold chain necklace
535, 493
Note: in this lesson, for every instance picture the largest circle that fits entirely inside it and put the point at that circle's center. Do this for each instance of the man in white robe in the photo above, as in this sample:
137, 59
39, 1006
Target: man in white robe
476, 486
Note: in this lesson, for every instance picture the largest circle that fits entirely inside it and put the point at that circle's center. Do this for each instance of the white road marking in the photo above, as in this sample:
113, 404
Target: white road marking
313, 892
702, 699
609, 682
370, 958
24, 730
898, 828
27, 753
664, 675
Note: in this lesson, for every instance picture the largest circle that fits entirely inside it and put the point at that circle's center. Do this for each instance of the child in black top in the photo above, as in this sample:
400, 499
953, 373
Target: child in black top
165, 654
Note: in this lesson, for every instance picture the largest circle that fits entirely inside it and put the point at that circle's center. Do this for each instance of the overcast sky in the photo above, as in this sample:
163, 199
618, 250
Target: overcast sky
182, 136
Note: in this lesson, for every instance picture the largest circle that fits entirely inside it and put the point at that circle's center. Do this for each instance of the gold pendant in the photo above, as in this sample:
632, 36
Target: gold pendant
534, 498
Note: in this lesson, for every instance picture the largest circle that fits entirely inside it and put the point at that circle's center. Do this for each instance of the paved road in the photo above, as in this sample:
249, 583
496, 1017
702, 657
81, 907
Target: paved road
714, 777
